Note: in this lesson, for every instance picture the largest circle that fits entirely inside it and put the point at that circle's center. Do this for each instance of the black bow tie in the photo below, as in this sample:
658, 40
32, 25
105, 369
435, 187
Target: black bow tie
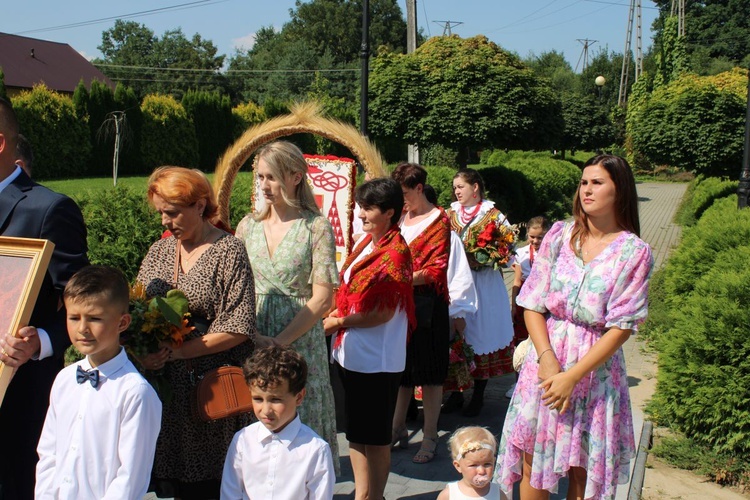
90, 375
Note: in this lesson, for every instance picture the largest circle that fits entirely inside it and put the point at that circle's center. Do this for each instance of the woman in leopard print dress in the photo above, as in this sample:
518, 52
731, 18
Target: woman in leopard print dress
211, 267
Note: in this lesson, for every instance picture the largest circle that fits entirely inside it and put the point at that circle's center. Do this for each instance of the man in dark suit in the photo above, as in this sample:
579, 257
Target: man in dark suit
29, 210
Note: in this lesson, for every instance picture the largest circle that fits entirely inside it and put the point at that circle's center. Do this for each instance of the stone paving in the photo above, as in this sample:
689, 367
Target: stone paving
658, 202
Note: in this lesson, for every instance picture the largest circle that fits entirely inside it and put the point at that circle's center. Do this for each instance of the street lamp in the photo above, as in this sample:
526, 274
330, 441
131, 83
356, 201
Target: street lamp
600, 81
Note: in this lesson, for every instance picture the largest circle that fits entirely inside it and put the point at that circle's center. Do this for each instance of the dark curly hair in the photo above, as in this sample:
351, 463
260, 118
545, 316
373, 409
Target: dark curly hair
274, 364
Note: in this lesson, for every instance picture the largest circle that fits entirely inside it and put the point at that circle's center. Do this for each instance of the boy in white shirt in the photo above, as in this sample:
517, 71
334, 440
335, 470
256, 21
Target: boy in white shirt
279, 456
100, 432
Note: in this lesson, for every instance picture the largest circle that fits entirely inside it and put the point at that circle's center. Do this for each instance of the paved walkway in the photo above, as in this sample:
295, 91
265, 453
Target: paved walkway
407, 480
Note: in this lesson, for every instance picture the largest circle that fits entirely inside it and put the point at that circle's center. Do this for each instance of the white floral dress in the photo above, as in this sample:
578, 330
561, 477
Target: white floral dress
581, 301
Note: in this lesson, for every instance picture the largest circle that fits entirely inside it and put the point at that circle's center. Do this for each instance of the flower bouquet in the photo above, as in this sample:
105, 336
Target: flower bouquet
491, 245
460, 365
155, 321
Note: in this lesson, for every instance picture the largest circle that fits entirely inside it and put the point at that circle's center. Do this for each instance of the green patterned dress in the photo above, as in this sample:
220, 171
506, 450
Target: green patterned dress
283, 285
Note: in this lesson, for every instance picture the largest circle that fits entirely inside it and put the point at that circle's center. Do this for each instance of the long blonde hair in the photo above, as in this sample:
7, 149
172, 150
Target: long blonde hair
284, 159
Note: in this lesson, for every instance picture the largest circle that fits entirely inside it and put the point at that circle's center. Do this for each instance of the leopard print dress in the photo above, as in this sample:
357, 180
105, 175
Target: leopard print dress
220, 288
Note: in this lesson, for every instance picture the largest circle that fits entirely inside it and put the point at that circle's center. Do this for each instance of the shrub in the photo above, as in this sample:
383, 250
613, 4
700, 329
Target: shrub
722, 227
704, 365
441, 178
707, 191
120, 241
511, 191
211, 114
549, 186
245, 116
438, 156
168, 135
60, 138
693, 122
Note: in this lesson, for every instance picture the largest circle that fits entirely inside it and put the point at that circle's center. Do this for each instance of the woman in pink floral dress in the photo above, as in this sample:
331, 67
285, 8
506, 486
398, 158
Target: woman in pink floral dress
587, 292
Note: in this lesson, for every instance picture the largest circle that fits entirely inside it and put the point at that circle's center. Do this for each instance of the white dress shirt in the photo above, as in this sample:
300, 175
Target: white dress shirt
98, 443
293, 464
373, 349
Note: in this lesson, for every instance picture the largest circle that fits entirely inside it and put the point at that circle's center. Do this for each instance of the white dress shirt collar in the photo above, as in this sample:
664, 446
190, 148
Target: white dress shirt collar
285, 435
106, 370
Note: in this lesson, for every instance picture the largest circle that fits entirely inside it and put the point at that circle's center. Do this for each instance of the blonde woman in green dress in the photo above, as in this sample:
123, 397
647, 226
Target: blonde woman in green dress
293, 257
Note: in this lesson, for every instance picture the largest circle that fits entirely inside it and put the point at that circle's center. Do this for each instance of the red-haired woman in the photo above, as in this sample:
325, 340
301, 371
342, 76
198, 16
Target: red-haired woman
211, 268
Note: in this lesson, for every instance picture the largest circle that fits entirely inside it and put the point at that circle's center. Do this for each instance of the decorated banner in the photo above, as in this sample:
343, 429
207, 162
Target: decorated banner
332, 180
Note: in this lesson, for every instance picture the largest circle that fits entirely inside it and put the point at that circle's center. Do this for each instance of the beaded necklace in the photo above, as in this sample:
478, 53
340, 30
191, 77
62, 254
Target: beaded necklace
467, 216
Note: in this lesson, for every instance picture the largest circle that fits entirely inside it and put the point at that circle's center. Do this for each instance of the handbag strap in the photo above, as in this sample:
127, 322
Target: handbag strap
178, 246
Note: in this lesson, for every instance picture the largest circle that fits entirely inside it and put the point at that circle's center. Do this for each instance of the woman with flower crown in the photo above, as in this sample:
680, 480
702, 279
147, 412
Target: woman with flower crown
490, 330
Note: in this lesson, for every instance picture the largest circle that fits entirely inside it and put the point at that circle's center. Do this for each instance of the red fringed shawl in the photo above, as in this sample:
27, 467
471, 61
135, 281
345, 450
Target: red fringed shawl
381, 280
430, 251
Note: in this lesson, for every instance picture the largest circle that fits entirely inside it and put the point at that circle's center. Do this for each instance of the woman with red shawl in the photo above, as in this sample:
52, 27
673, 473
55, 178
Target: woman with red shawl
374, 314
427, 230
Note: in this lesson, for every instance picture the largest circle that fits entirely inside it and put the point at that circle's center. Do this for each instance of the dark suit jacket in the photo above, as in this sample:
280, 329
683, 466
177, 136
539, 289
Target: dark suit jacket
29, 210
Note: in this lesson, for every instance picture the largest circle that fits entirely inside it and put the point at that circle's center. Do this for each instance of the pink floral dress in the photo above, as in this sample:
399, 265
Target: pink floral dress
581, 301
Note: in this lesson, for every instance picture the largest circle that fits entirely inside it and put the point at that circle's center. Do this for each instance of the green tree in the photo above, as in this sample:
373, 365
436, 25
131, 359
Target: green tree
170, 64
465, 94
330, 26
714, 30
321, 35
553, 66
693, 122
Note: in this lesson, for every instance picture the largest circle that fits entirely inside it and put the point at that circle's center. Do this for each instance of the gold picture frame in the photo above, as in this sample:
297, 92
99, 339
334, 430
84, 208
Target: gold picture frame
23, 264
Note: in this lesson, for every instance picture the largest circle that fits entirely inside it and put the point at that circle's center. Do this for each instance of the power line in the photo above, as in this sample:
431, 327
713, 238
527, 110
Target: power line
150, 12
518, 22
213, 71
557, 24
616, 3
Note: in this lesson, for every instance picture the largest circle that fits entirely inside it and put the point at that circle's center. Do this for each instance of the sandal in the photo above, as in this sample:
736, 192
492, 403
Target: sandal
400, 437
425, 454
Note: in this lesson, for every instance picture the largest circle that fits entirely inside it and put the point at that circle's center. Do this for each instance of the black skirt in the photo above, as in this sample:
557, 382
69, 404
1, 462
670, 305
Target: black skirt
427, 350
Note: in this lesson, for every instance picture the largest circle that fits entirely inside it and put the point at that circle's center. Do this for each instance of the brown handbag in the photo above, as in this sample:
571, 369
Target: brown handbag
221, 393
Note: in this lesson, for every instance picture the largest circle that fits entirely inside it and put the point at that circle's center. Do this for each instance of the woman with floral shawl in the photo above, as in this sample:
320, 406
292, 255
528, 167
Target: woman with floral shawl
374, 314
427, 230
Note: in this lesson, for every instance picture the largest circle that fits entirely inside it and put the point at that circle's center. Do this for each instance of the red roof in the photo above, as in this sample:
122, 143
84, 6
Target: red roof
28, 61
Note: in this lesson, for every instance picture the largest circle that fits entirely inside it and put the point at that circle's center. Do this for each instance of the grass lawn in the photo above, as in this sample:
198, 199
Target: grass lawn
75, 188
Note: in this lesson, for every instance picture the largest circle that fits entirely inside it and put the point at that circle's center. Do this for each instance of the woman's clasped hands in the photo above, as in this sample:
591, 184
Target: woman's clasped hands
557, 384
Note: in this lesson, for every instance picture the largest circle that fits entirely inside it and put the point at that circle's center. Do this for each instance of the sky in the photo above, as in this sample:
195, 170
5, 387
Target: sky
521, 26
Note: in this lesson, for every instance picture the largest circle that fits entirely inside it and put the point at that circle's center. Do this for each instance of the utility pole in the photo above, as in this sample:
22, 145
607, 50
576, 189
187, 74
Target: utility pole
622, 96
411, 46
448, 26
364, 56
585, 52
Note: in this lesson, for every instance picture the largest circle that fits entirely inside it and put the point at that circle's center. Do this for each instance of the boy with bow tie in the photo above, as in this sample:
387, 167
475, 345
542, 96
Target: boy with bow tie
100, 433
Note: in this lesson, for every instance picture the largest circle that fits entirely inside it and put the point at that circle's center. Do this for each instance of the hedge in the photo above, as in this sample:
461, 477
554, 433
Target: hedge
121, 227
59, 137
168, 135
698, 318
704, 363
706, 192
546, 185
